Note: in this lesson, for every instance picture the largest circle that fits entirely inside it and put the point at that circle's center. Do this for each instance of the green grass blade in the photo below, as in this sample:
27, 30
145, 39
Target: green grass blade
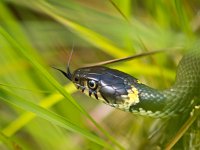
25, 118
125, 5
92, 37
193, 117
50, 116
5, 141
184, 22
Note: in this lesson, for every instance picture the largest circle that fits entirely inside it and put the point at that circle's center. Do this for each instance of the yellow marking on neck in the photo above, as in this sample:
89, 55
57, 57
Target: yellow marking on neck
131, 99
134, 96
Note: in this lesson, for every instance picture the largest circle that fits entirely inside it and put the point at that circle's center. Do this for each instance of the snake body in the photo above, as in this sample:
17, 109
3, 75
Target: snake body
122, 91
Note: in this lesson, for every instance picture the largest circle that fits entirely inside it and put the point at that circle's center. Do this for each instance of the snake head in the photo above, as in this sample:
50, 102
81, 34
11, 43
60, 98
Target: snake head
111, 86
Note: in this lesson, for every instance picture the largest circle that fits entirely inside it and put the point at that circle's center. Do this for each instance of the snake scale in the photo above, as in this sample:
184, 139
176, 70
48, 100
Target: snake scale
122, 91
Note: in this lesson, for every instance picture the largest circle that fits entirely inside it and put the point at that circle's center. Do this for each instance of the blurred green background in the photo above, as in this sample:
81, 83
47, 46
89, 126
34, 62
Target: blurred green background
40, 109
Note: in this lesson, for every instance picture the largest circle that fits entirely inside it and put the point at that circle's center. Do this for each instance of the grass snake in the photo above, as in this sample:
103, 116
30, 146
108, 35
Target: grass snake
122, 91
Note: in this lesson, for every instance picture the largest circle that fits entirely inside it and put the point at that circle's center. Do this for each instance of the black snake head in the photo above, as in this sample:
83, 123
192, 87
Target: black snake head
111, 86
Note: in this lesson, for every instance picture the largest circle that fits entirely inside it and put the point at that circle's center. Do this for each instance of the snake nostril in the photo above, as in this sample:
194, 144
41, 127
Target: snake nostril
76, 79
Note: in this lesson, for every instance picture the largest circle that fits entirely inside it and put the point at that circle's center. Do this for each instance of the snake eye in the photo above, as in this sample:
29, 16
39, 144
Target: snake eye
92, 84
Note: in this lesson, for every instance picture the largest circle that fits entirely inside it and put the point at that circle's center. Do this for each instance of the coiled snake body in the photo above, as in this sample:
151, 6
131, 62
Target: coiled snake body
125, 92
